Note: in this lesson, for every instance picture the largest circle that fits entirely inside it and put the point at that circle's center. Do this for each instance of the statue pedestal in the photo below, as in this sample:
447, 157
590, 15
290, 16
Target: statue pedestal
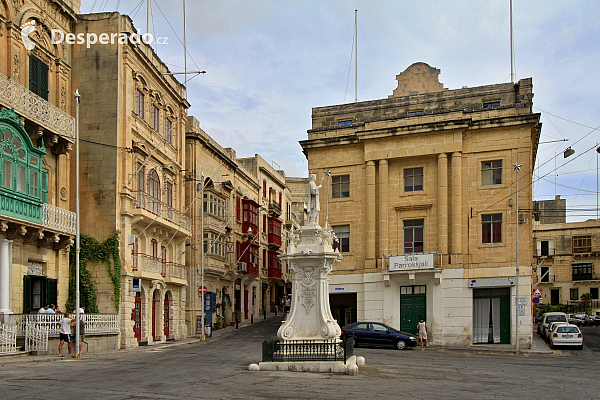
310, 259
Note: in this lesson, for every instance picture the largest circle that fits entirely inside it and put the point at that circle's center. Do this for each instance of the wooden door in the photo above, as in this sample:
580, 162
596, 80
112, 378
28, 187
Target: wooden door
167, 318
154, 301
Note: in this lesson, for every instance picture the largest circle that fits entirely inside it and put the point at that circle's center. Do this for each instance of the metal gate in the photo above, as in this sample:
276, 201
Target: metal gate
166, 318
8, 338
36, 337
137, 318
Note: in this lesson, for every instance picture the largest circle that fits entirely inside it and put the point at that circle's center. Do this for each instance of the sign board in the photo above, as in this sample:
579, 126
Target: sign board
520, 310
229, 247
338, 288
535, 300
492, 282
522, 301
202, 290
136, 285
403, 262
537, 292
131, 240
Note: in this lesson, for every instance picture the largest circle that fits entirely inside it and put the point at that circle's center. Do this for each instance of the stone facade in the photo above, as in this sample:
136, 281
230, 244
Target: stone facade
430, 172
246, 205
567, 257
37, 219
132, 150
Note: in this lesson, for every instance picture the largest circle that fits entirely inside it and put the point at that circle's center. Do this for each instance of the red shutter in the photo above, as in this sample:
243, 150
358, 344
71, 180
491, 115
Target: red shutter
238, 213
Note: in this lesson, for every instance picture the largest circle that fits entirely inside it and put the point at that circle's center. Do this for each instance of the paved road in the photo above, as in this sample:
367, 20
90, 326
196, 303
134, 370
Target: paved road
217, 369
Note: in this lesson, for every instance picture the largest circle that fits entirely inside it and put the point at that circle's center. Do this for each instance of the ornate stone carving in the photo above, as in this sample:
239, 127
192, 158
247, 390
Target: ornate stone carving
63, 97
63, 193
16, 232
50, 140
15, 72
63, 243
3, 226
33, 235
62, 148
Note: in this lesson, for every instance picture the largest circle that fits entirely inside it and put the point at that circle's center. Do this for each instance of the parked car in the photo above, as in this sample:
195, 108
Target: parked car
553, 325
378, 334
577, 319
547, 319
566, 335
593, 320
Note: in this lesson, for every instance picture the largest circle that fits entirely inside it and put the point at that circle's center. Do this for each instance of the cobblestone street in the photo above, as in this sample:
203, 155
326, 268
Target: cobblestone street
217, 369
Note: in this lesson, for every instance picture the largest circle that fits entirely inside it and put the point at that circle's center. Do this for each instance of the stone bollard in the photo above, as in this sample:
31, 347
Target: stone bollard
352, 370
253, 367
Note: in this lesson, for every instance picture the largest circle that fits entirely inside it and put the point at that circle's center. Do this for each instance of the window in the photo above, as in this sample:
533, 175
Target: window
265, 188
265, 223
38, 291
250, 217
155, 115
38, 77
153, 190
169, 193
214, 205
154, 248
274, 231
346, 122
413, 236
583, 271
416, 112
574, 294
491, 173
214, 244
280, 197
491, 228
490, 104
413, 179
140, 170
139, 103
340, 186
342, 232
168, 131
264, 258
594, 293
238, 208
582, 244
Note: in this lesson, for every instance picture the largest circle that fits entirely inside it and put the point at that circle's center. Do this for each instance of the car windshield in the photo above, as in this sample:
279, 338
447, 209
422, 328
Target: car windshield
556, 318
567, 329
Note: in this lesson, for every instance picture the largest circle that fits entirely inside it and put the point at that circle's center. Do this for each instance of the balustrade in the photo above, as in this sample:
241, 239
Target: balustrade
150, 203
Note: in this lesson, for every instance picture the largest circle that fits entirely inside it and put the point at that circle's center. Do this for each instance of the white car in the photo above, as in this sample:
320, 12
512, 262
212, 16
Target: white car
553, 326
566, 335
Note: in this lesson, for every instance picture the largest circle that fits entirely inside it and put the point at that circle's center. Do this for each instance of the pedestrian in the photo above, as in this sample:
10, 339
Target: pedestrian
57, 310
43, 309
64, 327
537, 317
81, 335
287, 304
422, 331
50, 309
281, 302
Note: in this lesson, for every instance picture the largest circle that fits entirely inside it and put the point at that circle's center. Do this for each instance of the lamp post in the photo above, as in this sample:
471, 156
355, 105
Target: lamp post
597, 182
517, 168
202, 336
77, 215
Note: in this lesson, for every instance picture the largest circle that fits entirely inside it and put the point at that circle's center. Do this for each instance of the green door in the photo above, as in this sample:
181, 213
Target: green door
412, 307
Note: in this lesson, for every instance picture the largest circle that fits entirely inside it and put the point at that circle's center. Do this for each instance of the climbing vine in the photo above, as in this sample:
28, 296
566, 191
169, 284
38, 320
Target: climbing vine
93, 250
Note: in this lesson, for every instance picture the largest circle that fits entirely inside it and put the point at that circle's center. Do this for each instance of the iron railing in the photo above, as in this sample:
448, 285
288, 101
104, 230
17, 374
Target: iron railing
149, 203
8, 338
307, 350
94, 323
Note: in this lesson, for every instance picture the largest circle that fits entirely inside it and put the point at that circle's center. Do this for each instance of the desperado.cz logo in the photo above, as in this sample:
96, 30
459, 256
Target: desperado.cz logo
58, 36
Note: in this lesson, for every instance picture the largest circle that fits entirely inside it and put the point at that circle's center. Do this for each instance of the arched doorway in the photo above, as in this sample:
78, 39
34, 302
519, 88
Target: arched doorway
137, 317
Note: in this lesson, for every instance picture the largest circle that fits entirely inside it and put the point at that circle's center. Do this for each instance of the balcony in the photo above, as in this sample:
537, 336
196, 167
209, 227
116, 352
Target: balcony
58, 219
275, 273
275, 209
147, 263
36, 109
153, 205
94, 323
546, 279
544, 252
583, 271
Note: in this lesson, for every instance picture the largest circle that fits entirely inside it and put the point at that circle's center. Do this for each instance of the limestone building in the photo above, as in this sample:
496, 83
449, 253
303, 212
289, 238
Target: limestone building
37, 132
132, 127
422, 198
567, 255
244, 206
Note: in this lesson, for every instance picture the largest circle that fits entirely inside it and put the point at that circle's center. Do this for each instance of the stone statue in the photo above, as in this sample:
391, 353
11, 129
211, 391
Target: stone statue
313, 200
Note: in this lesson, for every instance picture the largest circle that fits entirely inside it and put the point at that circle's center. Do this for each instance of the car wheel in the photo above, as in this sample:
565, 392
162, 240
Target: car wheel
401, 345
355, 342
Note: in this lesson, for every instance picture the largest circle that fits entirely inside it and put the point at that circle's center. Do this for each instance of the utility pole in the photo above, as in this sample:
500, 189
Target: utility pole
517, 169
77, 216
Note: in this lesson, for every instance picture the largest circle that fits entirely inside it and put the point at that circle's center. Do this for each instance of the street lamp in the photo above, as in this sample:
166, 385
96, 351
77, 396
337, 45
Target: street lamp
77, 216
517, 168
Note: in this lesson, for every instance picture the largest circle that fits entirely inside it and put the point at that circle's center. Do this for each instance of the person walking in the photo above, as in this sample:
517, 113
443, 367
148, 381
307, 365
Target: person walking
287, 304
422, 331
64, 328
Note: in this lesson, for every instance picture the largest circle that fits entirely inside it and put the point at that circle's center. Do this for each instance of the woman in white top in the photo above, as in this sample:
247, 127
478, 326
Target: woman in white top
422, 331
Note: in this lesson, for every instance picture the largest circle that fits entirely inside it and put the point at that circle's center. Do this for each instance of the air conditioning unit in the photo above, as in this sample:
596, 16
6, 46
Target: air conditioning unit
242, 267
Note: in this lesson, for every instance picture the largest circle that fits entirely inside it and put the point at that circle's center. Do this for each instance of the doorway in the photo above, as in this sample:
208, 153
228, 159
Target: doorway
491, 316
137, 317
167, 316
412, 307
154, 301
343, 307
554, 297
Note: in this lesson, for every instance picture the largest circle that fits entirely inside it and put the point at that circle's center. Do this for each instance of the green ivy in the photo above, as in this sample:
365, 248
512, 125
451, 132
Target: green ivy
92, 250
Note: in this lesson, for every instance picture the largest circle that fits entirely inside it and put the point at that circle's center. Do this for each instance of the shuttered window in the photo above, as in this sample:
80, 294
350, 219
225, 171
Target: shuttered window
38, 77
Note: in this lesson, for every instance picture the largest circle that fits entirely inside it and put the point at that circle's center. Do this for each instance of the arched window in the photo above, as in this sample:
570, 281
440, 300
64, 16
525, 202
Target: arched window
23, 178
153, 190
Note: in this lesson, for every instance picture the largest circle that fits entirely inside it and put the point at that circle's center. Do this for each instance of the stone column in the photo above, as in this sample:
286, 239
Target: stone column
456, 202
370, 202
383, 207
5, 264
443, 203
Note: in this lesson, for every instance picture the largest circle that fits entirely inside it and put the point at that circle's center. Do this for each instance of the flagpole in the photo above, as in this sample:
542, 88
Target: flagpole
77, 217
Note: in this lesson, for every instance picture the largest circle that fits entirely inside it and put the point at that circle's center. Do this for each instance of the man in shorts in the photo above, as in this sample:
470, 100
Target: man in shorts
422, 331
64, 328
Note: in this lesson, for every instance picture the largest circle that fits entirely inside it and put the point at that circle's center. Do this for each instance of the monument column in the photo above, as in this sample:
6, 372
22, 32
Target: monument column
5, 263
371, 215
456, 202
383, 207
443, 203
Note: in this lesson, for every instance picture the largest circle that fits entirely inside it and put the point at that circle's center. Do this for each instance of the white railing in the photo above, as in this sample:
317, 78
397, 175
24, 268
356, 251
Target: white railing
155, 206
148, 263
58, 218
36, 337
94, 323
8, 339
33, 107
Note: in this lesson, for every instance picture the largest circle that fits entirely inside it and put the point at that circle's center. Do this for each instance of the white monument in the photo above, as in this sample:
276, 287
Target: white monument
310, 258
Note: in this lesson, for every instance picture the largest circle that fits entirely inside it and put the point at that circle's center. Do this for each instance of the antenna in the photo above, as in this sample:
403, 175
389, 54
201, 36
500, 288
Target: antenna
512, 48
356, 56
184, 55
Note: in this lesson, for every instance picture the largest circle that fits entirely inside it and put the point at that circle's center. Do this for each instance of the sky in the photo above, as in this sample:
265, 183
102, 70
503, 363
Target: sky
268, 63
